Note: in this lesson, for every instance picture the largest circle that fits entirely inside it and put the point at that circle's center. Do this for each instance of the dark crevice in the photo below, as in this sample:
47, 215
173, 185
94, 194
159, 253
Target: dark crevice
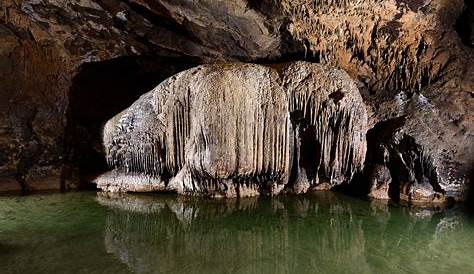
378, 138
335, 124
420, 165
163, 19
398, 173
293, 161
465, 24
292, 50
306, 155
336, 96
402, 156
310, 152
408, 166
470, 194
265, 7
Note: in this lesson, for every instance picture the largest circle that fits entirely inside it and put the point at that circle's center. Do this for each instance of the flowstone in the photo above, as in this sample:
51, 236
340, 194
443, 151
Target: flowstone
239, 129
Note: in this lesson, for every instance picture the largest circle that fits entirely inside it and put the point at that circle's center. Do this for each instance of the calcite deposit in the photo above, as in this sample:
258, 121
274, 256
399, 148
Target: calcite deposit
239, 130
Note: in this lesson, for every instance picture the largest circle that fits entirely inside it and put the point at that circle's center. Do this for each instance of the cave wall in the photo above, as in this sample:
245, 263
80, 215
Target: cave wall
34, 97
412, 59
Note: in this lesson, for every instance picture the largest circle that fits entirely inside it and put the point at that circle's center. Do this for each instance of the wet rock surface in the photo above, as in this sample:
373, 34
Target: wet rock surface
411, 58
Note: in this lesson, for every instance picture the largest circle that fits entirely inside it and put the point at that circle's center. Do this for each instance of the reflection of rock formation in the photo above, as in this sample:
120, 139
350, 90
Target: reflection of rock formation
245, 235
142, 204
239, 130
286, 235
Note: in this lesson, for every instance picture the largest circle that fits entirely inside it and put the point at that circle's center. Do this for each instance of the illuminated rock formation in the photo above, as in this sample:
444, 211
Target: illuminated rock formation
239, 130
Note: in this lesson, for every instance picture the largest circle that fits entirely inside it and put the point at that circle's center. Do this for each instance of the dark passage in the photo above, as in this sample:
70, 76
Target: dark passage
465, 24
310, 152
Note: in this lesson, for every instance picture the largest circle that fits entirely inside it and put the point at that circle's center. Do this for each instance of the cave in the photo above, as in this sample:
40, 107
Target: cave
237, 136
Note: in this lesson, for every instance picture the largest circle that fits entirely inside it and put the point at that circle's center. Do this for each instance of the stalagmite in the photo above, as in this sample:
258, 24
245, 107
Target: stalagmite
239, 130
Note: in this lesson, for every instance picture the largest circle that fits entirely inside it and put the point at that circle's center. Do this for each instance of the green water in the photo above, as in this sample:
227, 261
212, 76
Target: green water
327, 233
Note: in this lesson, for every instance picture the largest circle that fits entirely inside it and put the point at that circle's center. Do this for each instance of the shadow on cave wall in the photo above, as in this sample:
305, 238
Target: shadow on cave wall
101, 90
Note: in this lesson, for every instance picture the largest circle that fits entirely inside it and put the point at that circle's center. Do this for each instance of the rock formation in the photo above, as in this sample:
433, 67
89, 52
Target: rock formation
412, 61
239, 130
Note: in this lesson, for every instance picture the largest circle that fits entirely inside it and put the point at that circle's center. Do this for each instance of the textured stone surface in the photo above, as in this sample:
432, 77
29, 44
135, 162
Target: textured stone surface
412, 59
239, 130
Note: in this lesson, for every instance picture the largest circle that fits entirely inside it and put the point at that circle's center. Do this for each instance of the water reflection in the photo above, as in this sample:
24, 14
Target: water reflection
324, 233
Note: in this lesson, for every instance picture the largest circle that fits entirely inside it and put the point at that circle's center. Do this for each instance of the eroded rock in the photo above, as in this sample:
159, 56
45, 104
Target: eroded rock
239, 130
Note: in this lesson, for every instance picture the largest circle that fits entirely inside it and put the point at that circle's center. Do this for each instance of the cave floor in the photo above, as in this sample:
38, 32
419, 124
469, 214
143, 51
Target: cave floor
89, 232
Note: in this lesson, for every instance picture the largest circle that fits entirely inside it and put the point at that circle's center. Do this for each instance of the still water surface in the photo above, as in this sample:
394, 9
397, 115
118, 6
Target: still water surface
86, 232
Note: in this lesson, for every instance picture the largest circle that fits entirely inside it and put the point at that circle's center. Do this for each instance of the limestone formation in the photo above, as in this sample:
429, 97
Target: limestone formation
239, 130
